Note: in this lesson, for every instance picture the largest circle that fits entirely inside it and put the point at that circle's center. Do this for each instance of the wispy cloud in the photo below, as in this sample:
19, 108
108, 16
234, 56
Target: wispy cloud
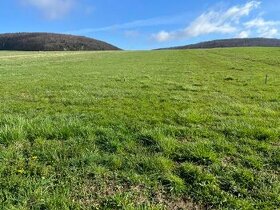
51, 9
229, 21
133, 24
264, 28
260, 22
224, 22
131, 33
243, 34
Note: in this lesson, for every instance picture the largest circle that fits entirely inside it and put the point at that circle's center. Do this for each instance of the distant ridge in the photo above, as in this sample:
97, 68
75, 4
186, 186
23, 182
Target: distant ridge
248, 42
51, 42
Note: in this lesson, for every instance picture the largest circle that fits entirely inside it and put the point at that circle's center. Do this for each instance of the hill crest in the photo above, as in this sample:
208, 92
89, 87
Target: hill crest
223, 43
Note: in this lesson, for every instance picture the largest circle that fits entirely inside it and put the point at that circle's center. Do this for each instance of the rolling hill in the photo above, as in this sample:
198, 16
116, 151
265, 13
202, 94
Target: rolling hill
223, 43
51, 42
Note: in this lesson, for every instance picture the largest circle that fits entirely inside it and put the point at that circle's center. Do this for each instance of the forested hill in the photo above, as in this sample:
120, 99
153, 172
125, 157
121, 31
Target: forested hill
248, 42
51, 42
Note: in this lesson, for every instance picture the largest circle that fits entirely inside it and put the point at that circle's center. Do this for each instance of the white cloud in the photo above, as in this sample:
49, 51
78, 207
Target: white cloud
243, 34
51, 9
162, 36
260, 22
223, 22
267, 29
211, 22
237, 12
270, 33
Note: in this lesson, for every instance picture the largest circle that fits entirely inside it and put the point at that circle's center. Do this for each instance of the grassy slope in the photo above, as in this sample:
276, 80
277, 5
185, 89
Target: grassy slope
140, 129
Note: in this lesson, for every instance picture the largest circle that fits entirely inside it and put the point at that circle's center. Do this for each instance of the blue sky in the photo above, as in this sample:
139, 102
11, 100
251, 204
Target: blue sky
144, 24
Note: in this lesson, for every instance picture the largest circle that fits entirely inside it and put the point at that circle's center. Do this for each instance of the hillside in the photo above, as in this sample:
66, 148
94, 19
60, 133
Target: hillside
51, 42
186, 129
223, 43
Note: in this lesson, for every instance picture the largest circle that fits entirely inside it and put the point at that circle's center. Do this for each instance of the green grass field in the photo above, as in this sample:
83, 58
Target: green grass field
190, 129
